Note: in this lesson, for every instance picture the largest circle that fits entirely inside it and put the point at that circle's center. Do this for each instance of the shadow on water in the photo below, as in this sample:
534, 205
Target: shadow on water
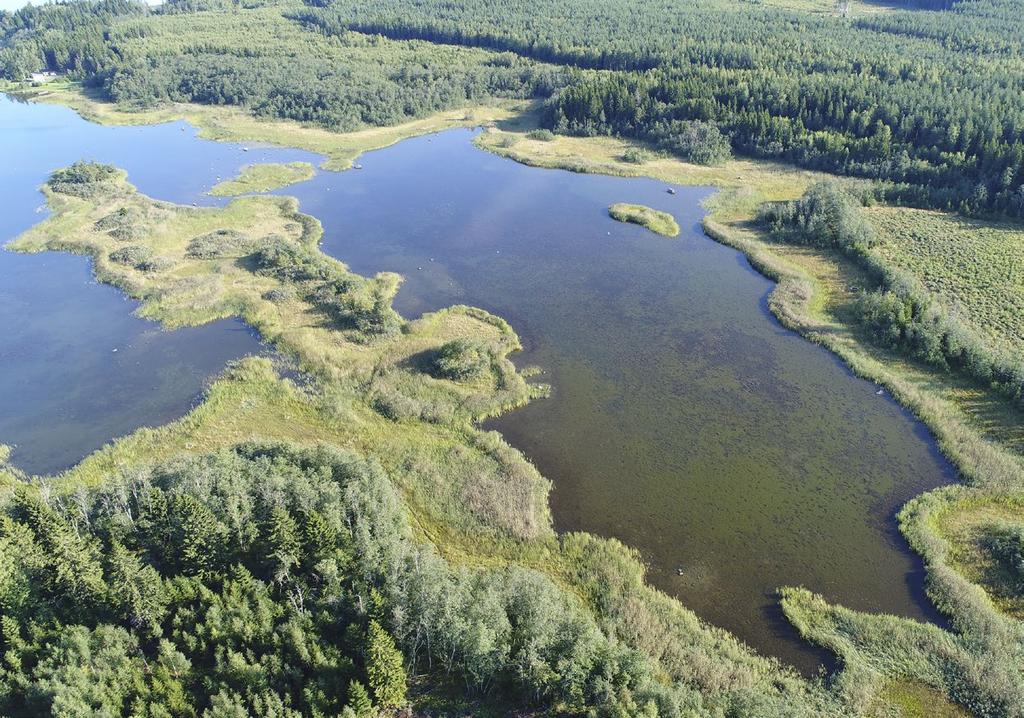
685, 421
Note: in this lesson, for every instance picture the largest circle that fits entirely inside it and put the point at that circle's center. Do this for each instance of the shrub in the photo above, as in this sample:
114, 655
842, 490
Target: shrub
82, 179
542, 134
636, 156
279, 294
133, 255
462, 359
219, 243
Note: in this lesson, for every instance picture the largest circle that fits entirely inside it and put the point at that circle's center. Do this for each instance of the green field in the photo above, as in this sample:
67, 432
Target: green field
976, 267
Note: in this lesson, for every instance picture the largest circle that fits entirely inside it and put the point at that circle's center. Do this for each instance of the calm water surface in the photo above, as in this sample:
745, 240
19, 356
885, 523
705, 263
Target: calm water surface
685, 421
734, 455
76, 367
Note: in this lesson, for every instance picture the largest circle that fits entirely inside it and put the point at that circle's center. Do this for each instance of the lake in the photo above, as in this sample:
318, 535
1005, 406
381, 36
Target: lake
76, 367
734, 455
684, 420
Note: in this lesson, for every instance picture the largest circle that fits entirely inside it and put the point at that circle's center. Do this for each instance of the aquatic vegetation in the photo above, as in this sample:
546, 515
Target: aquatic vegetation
263, 178
486, 501
974, 427
655, 220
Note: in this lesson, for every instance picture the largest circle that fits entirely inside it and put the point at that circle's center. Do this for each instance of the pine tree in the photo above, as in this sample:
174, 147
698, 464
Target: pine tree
384, 669
359, 700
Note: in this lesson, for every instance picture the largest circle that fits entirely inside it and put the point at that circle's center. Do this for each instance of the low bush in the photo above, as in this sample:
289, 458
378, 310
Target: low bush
462, 359
133, 255
82, 179
219, 243
636, 156
542, 134
1006, 544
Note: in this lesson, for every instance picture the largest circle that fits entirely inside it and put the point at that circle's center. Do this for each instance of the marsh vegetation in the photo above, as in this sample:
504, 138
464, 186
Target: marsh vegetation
655, 220
924, 102
263, 178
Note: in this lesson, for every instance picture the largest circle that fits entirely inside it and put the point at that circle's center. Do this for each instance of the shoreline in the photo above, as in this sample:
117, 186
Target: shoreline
800, 302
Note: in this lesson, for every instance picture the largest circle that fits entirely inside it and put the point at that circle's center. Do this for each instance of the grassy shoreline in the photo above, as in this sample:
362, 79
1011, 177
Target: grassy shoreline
809, 298
658, 222
475, 498
257, 178
813, 292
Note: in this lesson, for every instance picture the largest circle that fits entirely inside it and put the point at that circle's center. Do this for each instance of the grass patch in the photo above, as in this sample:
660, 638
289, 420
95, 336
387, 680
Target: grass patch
910, 699
967, 527
254, 179
655, 220
977, 267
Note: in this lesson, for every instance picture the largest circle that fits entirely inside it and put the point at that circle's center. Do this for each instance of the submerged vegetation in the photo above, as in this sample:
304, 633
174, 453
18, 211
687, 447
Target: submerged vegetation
564, 624
263, 178
417, 562
655, 220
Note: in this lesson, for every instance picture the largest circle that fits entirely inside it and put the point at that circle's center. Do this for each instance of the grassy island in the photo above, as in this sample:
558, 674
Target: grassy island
655, 220
353, 543
264, 178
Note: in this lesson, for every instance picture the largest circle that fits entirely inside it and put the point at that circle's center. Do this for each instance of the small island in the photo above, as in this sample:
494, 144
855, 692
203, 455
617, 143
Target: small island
263, 178
655, 220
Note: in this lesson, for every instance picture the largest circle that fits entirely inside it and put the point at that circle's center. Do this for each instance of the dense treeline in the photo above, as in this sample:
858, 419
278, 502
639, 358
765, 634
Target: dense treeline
262, 62
905, 97
927, 100
61, 37
272, 581
901, 313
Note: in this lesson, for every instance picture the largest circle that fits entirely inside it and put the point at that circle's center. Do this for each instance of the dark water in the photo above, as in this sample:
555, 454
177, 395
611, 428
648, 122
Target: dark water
684, 421
76, 368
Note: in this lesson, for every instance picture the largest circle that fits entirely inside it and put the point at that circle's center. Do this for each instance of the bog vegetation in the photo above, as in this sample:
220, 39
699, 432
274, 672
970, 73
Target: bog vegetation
419, 565
898, 311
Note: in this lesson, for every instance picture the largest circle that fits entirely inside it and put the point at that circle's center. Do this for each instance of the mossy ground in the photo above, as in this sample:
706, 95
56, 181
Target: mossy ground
263, 178
655, 220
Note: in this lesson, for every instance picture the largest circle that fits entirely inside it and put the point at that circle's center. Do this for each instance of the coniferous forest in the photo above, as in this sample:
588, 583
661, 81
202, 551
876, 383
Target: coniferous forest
279, 578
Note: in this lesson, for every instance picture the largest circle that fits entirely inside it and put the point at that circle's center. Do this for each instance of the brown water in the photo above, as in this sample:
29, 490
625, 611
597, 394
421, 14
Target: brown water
734, 455
684, 421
